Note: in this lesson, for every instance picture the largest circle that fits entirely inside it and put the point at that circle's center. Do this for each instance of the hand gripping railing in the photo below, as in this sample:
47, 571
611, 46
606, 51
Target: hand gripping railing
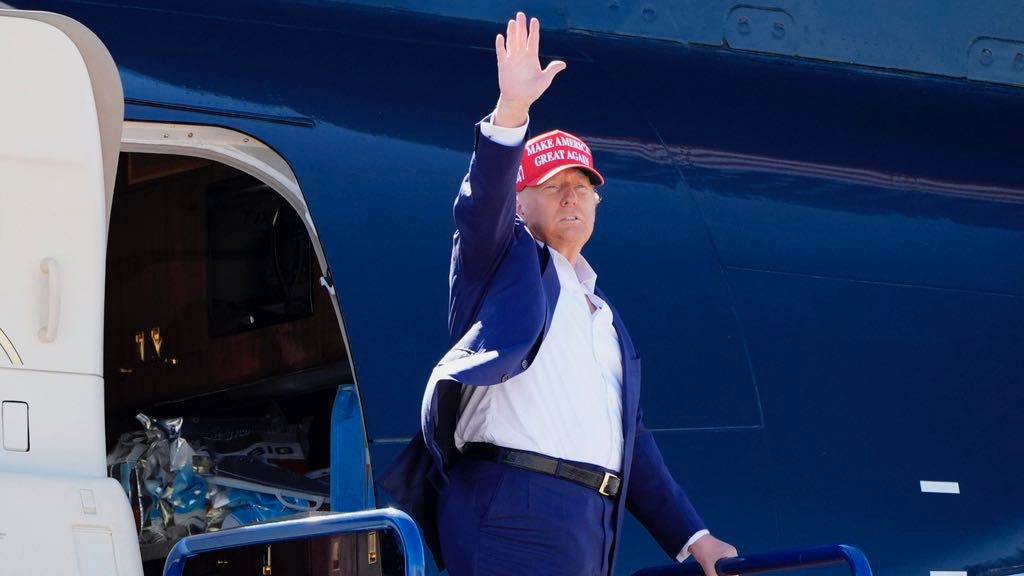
326, 525
770, 561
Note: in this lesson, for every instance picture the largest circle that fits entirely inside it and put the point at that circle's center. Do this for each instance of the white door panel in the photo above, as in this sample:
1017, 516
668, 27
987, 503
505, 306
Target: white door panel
65, 525
65, 423
50, 218
60, 122
52, 201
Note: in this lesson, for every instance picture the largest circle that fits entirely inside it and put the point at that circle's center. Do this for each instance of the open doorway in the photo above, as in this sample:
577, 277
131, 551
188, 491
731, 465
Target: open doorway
220, 331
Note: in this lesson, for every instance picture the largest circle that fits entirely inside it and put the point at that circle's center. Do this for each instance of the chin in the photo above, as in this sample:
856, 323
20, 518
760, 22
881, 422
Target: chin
574, 239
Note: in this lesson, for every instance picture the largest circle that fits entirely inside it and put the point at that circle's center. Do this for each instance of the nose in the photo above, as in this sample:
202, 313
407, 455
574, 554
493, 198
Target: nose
569, 196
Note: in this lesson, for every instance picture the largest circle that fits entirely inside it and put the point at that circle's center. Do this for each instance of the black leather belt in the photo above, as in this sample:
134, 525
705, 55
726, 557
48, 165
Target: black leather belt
606, 483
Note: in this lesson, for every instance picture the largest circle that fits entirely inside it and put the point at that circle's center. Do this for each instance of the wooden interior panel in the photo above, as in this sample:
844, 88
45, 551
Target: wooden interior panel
156, 278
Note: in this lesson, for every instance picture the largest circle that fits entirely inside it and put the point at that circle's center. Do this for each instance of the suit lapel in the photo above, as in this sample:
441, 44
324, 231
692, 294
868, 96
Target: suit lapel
552, 287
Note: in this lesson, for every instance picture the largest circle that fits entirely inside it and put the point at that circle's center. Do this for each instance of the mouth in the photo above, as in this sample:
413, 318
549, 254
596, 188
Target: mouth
570, 219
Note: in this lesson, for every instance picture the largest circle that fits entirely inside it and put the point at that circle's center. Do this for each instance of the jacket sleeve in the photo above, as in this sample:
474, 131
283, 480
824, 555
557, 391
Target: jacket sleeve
655, 498
485, 207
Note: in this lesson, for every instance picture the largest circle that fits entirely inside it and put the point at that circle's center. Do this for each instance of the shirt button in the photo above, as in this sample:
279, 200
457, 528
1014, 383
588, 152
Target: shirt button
504, 377
525, 364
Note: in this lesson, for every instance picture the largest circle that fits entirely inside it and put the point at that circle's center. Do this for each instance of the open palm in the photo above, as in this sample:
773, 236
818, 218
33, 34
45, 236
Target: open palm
520, 77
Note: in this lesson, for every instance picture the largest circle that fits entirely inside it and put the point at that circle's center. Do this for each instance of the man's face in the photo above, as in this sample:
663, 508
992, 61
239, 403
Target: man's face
561, 211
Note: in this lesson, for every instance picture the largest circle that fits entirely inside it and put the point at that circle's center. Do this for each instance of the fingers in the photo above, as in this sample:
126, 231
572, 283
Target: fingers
534, 41
520, 75
727, 551
521, 37
510, 37
499, 47
518, 37
516, 32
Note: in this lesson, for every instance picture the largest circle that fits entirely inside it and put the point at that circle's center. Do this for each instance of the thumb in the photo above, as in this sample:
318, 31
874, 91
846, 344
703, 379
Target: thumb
553, 68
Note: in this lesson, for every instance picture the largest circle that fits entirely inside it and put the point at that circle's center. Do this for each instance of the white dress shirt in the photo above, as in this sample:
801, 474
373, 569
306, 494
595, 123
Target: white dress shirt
568, 404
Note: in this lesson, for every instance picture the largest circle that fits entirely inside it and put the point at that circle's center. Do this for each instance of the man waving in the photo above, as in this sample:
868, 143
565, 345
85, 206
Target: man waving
533, 441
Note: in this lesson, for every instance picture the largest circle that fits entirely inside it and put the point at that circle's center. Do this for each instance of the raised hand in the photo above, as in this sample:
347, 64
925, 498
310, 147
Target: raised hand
520, 77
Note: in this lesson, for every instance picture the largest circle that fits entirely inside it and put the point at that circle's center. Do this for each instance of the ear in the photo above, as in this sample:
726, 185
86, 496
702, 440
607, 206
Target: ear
519, 209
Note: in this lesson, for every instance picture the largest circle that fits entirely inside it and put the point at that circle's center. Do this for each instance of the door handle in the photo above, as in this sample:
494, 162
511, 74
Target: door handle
48, 333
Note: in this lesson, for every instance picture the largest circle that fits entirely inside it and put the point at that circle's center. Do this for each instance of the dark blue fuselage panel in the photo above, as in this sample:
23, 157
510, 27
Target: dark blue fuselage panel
820, 265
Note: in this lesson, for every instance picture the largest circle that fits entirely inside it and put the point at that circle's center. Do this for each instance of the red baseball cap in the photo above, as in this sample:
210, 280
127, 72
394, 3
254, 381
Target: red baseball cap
551, 153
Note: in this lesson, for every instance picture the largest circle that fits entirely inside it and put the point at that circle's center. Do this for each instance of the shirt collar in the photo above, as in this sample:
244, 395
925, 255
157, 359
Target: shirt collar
579, 275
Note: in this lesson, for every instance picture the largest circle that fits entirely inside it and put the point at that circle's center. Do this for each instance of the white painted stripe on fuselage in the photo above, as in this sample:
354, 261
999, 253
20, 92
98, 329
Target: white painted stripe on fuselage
934, 487
947, 573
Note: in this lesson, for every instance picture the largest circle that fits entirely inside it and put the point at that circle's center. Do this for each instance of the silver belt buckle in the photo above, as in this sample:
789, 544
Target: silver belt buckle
603, 490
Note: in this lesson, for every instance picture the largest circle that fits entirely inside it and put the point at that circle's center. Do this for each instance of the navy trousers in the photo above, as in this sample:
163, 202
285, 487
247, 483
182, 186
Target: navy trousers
497, 519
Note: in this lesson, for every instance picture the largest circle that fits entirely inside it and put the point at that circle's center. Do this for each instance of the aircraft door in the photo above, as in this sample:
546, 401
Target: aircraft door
61, 112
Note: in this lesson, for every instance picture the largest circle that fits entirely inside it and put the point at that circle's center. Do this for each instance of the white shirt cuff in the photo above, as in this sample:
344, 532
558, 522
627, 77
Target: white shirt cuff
685, 552
502, 135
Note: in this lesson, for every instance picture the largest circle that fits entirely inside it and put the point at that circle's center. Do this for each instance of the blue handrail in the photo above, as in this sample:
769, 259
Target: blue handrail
770, 561
326, 525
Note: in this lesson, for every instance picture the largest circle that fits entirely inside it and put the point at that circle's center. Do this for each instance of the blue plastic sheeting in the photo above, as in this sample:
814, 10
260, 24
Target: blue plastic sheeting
351, 478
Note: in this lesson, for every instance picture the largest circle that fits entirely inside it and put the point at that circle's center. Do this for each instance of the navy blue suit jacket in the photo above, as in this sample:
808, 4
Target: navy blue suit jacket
503, 291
